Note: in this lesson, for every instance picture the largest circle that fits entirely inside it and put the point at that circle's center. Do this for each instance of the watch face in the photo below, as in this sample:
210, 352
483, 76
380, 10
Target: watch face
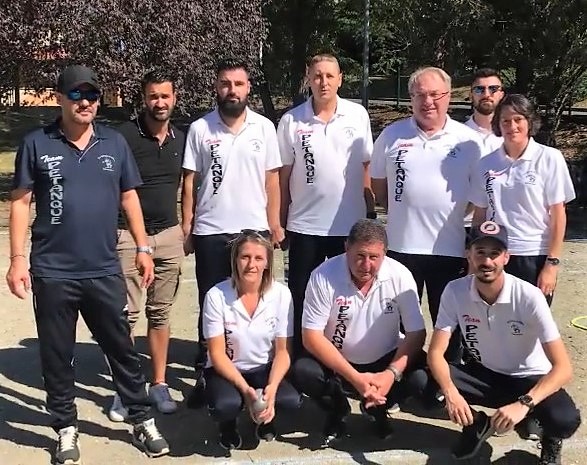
553, 261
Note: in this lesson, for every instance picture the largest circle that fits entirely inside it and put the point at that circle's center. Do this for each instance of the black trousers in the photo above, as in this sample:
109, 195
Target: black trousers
435, 271
225, 401
328, 388
479, 385
527, 267
212, 253
103, 305
306, 252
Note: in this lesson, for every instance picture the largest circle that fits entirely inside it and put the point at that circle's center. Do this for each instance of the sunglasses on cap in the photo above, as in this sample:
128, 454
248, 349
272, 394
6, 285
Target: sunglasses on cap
76, 95
251, 233
480, 90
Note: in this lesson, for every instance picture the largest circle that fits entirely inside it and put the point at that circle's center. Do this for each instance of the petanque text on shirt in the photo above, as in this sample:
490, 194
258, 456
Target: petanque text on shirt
400, 174
216, 169
309, 160
341, 326
56, 189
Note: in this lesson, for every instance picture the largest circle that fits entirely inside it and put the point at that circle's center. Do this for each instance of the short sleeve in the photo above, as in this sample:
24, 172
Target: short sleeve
191, 155
272, 157
24, 166
367, 138
317, 303
286, 149
447, 319
409, 305
543, 320
377, 167
129, 173
285, 314
477, 195
558, 184
213, 315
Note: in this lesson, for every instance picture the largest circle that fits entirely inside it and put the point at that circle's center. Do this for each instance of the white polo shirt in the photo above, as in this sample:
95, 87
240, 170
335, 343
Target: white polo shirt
428, 183
249, 340
362, 328
232, 195
489, 140
518, 194
507, 336
327, 178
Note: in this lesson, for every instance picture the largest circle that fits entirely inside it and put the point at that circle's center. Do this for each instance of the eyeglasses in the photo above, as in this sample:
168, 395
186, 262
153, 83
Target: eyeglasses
76, 95
433, 95
480, 90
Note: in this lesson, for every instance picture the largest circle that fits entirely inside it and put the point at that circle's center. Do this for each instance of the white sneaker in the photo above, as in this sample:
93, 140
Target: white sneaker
68, 449
161, 398
118, 412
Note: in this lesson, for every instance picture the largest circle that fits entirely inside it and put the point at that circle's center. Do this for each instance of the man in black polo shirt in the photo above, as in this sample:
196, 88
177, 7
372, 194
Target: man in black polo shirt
80, 174
157, 147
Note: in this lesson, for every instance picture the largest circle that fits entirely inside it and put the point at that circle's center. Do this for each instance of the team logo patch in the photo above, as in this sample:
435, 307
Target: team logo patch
256, 145
452, 153
489, 227
387, 305
530, 178
516, 327
349, 132
107, 162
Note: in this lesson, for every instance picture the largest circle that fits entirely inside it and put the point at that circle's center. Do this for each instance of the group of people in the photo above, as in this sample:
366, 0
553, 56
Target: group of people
476, 213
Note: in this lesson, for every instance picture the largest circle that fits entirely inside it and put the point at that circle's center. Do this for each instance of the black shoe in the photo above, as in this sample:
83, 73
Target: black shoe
473, 437
265, 432
551, 451
334, 429
229, 437
147, 438
196, 398
530, 429
382, 424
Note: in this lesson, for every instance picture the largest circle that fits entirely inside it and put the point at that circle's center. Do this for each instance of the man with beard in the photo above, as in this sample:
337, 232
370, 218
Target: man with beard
80, 173
232, 152
157, 147
486, 93
524, 372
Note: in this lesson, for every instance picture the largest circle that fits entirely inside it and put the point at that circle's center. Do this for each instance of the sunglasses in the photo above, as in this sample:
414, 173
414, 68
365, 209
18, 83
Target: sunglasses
480, 90
76, 95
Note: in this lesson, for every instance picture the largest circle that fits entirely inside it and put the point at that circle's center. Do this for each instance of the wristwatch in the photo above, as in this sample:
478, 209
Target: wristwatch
396, 373
527, 401
145, 249
553, 261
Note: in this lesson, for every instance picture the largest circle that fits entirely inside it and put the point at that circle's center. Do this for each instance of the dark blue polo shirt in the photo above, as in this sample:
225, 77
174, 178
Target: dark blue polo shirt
77, 198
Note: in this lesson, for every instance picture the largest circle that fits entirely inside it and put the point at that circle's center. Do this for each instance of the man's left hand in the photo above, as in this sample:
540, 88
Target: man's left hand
547, 279
146, 267
277, 235
505, 418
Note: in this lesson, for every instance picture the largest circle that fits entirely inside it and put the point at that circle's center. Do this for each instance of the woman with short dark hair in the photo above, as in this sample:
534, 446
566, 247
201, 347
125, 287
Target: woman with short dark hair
248, 324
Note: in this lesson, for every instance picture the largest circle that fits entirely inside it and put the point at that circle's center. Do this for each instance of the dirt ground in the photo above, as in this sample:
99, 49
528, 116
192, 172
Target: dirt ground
25, 438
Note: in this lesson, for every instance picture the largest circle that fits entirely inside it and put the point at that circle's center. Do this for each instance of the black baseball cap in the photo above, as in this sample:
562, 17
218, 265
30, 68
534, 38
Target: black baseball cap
74, 76
489, 230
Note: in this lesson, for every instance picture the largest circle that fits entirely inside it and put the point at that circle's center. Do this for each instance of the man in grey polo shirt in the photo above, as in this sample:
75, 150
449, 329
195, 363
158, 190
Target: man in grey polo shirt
519, 363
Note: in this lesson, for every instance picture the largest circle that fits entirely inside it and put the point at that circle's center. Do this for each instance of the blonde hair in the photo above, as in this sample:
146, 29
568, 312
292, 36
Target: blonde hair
249, 235
425, 70
322, 57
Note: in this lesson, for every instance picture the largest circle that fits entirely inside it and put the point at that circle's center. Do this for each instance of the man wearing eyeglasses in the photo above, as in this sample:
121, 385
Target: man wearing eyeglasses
421, 170
80, 173
486, 93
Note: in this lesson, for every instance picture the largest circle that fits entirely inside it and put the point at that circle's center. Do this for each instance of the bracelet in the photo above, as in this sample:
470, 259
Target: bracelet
17, 255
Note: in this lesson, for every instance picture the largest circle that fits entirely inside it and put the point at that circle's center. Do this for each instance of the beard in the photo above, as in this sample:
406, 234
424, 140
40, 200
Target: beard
485, 107
230, 108
156, 116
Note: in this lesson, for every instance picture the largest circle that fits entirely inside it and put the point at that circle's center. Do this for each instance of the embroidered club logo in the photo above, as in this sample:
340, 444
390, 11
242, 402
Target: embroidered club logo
107, 162
530, 178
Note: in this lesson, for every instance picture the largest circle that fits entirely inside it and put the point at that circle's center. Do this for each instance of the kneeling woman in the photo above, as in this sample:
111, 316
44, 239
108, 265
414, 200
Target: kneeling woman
248, 323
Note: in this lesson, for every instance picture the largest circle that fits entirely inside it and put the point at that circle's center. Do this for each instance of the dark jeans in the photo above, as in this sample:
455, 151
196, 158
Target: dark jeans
103, 305
527, 267
435, 271
225, 401
212, 255
330, 390
306, 252
479, 385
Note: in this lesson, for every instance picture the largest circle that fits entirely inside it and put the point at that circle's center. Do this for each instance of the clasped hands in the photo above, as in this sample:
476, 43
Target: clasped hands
373, 387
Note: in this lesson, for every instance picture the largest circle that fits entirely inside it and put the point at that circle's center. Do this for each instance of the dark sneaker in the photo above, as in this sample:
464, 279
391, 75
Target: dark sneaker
68, 451
380, 418
229, 437
334, 429
147, 437
265, 432
551, 451
473, 437
530, 429
196, 398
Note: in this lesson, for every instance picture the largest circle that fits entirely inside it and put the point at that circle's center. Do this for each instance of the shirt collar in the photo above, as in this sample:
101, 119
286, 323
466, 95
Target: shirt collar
444, 130
473, 125
504, 297
341, 108
144, 129
531, 150
249, 118
54, 130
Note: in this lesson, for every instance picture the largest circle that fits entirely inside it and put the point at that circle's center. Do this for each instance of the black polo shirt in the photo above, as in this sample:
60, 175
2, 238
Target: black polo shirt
160, 169
77, 195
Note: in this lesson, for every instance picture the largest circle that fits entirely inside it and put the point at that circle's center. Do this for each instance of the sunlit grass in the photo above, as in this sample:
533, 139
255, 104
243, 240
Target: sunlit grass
7, 162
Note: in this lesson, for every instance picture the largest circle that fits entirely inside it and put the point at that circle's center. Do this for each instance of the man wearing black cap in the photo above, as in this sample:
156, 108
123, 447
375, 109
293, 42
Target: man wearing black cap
519, 362
80, 174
